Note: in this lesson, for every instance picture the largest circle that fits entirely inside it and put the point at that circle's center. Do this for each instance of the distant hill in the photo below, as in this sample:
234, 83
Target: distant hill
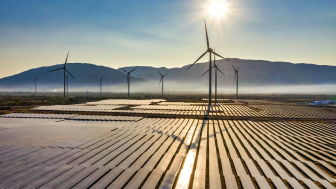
83, 72
252, 73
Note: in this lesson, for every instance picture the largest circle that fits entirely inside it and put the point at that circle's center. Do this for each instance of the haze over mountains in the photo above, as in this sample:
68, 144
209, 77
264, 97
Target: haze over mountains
253, 73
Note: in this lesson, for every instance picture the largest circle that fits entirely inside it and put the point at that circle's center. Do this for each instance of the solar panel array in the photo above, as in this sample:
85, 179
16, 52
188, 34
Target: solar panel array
253, 108
94, 151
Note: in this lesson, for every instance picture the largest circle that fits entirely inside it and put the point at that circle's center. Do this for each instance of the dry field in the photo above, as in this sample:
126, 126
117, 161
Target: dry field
153, 144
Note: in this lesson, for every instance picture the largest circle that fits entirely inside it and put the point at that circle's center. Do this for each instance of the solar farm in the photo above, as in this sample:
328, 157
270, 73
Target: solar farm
158, 144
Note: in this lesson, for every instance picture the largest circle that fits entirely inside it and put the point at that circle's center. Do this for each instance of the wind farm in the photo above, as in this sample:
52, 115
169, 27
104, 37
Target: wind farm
264, 120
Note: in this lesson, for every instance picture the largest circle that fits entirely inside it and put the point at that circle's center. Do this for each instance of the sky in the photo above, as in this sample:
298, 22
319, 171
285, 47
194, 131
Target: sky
165, 33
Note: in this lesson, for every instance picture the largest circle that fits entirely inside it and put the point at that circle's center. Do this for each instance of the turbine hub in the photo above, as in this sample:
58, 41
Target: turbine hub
210, 50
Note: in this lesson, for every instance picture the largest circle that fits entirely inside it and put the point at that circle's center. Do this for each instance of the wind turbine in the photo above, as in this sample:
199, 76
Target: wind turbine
216, 68
162, 80
101, 84
209, 50
236, 74
35, 84
128, 78
65, 70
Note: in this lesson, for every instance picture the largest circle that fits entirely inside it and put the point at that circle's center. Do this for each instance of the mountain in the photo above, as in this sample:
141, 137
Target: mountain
83, 72
252, 74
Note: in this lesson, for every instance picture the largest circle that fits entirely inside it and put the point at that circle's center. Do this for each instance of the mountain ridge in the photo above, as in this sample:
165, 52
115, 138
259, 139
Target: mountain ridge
252, 73
255, 72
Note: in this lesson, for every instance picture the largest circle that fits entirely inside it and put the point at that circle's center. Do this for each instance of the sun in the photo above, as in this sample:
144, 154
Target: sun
218, 8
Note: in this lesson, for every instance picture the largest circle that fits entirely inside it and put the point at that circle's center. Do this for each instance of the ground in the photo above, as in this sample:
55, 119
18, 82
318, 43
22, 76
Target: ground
101, 142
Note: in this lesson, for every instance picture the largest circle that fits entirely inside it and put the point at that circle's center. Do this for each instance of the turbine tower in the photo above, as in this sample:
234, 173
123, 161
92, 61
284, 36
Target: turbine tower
101, 84
236, 75
209, 50
65, 70
128, 78
67, 85
216, 68
162, 80
35, 81
67, 77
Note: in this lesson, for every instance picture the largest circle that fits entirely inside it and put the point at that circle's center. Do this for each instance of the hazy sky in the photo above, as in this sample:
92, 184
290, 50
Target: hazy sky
166, 33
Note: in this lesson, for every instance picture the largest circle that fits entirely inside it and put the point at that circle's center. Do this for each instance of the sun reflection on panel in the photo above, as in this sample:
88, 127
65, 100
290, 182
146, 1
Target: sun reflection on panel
184, 178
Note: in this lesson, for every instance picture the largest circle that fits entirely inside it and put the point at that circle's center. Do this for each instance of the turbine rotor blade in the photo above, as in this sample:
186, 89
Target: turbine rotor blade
219, 56
66, 59
219, 70
123, 70
197, 59
204, 73
96, 76
55, 70
164, 75
133, 69
234, 79
208, 70
159, 72
160, 81
206, 32
238, 68
70, 74
233, 67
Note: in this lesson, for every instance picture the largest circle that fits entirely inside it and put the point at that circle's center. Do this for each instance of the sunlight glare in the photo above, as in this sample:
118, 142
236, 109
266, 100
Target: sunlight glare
218, 8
